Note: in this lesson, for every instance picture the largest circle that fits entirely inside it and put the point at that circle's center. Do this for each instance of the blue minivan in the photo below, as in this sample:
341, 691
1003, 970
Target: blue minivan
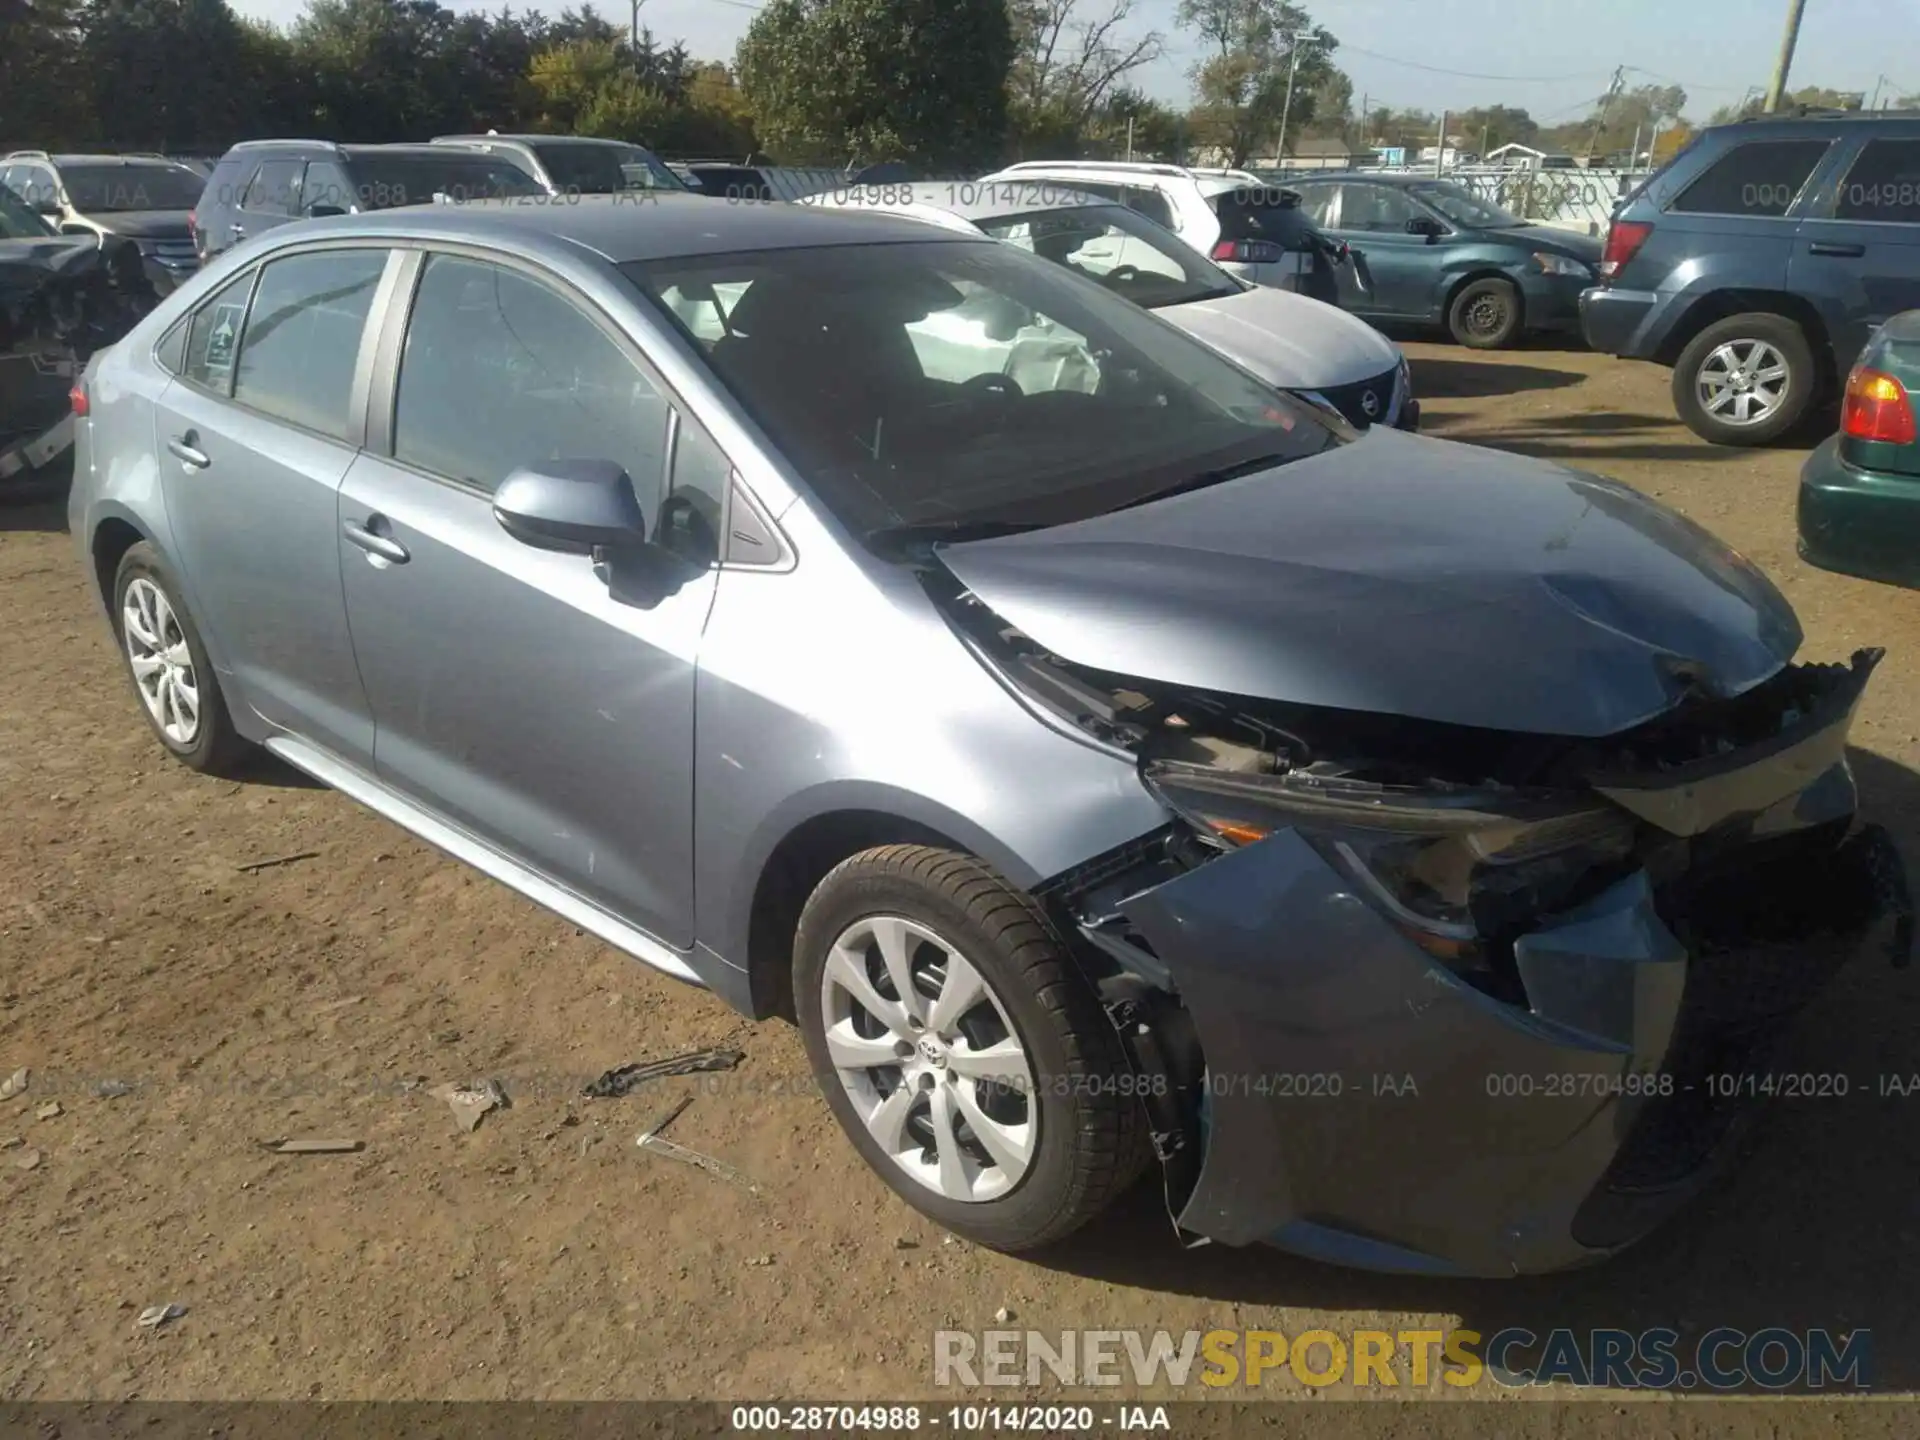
1757, 262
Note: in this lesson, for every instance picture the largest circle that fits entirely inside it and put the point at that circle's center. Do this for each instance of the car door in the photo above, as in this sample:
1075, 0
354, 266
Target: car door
513, 693
1402, 268
1859, 248
253, 437
268, 200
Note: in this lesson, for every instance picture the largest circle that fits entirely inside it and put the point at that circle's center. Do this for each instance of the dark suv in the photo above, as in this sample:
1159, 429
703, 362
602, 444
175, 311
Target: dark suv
146, 198
1759, 260
261, 184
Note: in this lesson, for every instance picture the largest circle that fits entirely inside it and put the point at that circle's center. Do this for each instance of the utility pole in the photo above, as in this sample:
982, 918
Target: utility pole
1606, 108
1440, 150
1366, 121
633, 38
1295, 41
1129, 139
1777, 90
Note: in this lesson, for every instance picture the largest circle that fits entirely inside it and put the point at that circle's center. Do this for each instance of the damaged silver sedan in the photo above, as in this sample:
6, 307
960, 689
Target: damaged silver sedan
61, 298
1109, 761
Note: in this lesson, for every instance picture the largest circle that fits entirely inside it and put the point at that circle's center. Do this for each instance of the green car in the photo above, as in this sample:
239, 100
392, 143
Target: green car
1860, 491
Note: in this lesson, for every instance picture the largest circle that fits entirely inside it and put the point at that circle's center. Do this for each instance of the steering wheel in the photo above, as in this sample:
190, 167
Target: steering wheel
1000, 387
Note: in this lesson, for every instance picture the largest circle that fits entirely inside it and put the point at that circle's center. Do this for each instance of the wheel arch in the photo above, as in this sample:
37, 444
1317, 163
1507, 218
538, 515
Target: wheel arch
802, 848
113, 535
1718, 305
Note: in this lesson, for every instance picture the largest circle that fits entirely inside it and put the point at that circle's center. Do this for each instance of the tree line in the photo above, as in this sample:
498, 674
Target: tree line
946, 83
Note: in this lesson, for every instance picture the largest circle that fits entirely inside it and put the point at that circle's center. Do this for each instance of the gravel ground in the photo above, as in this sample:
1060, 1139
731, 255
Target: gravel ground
541, 1255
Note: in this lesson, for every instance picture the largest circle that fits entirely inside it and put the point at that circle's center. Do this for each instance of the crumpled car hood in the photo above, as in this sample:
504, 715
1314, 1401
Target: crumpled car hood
61, 298
1404, 576
1289, 340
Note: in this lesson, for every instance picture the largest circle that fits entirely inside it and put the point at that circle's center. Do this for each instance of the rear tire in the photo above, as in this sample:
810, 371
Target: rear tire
1487, 314
1758, 366
167, 663
1031, 1063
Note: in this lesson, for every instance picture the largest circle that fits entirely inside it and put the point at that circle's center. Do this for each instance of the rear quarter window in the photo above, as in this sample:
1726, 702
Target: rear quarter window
1883, 185
1759, 178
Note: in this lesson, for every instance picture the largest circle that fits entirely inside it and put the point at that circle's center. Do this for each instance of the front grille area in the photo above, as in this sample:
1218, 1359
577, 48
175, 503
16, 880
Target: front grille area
1351, 400
1765, 931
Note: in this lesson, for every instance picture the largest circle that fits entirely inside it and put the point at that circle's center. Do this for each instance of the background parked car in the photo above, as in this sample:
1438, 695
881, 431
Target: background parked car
147, 198
576, 164
1860, 490
1757, 263
1287, 339
1246, 225
1437, 254
262, 184
729, 180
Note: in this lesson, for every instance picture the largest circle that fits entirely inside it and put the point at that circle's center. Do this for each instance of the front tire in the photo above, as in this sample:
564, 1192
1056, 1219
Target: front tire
1487, 314
1746, 380
961, 1050
168, 665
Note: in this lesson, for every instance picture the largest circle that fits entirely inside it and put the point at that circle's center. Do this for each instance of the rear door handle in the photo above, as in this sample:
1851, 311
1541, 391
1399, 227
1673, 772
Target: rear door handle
239, 231
1833, 247
182, 448
382, 546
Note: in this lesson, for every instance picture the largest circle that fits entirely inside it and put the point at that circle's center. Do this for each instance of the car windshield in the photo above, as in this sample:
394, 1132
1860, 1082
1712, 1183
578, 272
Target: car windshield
939, 387
384, 181
1125, 252
106, 188
18, 220
603, 169
1464, 208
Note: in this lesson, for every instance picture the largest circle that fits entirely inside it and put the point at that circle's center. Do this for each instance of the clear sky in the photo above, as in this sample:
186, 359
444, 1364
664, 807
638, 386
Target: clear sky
1552, 57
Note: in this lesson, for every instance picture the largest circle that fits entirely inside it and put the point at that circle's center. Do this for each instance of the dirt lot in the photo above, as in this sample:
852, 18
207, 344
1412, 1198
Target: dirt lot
541, 1255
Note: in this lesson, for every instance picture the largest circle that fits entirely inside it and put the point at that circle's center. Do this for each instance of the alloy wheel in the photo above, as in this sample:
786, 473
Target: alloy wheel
1743, 382
930, 1059
162, 663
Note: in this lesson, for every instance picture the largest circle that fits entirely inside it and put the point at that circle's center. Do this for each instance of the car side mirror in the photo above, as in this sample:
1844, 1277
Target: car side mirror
1427, 226
573, 506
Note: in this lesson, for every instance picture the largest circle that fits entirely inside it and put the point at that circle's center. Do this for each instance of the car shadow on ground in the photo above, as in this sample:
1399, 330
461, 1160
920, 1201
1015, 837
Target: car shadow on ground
1463, 379
1814, 1229
1593, 436
38, 514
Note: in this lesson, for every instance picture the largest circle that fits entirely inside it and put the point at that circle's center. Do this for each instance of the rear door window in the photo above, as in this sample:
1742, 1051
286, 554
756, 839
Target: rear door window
1760, 178
1377, 208
273, 187
1152, 204
213, 339
1883, 185
301, 344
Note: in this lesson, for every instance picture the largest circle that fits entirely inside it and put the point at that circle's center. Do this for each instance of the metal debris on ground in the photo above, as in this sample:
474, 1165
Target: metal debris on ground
254, 867
154, 1316
15, 1084
314, 1147
49, 1111
27, 1160
470, 1103
112, 1089
651, 1139
626, 1078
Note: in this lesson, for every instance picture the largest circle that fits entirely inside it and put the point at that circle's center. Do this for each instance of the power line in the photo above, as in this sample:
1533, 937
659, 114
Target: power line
1472, 74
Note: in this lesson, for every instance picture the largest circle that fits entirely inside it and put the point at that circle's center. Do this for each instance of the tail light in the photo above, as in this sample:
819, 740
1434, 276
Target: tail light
193, 226
77, 397
1624, 239
1877, 409
1248, 252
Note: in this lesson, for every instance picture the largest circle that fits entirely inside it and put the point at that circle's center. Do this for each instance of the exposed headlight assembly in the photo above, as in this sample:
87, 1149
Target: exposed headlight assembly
1460, 872
1551, 264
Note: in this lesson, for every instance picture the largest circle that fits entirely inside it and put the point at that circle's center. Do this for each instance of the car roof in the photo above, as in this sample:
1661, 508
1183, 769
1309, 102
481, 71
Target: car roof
528, 139
663, 225
972, 200
84, 159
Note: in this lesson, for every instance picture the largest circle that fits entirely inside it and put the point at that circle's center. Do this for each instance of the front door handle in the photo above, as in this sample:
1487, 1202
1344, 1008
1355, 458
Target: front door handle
239, 232
182, 448
1833, 247
383, 547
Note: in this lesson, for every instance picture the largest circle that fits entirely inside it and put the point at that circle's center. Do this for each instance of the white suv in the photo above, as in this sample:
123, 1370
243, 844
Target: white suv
1248, 226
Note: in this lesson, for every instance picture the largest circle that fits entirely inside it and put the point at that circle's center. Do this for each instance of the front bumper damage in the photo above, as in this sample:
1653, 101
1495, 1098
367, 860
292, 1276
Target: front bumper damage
60, 301
1349, 1098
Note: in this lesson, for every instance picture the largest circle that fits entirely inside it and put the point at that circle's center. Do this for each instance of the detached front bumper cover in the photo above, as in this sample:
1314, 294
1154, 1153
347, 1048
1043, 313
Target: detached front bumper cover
1366, 1105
